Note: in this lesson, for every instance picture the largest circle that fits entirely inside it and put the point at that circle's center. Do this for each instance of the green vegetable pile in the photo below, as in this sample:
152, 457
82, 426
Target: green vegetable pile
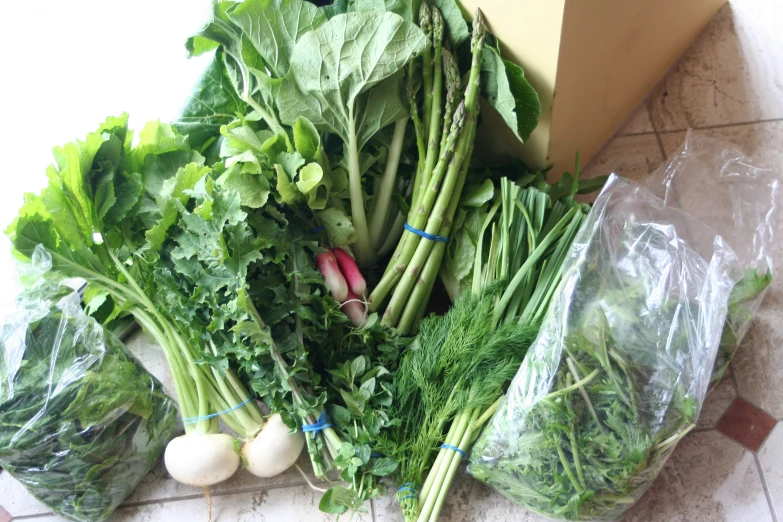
81, 422
280, 241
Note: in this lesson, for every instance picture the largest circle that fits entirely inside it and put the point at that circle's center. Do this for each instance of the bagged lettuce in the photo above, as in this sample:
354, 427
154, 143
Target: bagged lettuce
81, 421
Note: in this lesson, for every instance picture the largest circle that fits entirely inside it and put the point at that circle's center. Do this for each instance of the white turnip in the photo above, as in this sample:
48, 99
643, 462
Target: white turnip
274, 449
201, 460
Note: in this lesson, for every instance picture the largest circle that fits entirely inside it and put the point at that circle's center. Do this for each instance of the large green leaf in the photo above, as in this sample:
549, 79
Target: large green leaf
404, 8
505, 87
274, 26
336, 63
212, 102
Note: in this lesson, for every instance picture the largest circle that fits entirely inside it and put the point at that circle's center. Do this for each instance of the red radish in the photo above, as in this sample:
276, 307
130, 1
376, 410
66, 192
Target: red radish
354, 308
335, 281
351, 271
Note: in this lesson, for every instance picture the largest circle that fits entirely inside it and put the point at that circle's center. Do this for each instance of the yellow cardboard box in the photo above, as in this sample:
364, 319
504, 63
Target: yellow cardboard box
591, 61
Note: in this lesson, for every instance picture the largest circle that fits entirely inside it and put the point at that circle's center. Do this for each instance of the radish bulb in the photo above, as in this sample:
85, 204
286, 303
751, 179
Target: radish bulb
274, 450
354, 308
335, 281
350, 270
201, 460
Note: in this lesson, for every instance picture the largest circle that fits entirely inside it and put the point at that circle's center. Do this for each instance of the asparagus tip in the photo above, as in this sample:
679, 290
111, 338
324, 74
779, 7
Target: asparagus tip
425, 18
437, 24
479, 30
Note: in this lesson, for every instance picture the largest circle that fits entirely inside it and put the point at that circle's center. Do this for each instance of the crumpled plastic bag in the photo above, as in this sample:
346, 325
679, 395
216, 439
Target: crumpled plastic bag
625, 355
81, 421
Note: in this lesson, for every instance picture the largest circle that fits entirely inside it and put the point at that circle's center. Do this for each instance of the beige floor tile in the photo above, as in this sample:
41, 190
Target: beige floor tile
709, 478
771, 459
16, 500
731, 74
293, 504
468, 501
633, 157
718, 401
637, 123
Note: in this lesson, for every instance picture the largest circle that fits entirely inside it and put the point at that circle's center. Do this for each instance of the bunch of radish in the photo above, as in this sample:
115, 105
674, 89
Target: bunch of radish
345, 282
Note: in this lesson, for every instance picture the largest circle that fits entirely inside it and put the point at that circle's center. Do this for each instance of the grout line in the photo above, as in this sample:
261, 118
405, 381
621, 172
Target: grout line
660, 146
372, 510
766, 488
249, 489
721, 125
655, 131
699, 128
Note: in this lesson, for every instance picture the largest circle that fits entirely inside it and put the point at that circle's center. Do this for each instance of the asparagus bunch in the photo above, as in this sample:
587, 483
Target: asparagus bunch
445, 130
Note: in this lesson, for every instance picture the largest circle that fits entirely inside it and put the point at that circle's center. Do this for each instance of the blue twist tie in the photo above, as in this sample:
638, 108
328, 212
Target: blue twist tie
376, 455
455, 448
431, 237
315, 230
321, 424
192, 420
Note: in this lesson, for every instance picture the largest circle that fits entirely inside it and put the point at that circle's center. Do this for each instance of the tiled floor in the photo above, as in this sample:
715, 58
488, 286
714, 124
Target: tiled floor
729, 85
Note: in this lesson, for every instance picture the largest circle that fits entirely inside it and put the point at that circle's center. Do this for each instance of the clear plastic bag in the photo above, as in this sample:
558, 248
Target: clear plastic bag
81, 421
739, 199
621, 366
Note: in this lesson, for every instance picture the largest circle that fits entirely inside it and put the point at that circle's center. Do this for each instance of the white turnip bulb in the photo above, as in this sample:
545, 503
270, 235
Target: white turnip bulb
201, 460
274, 449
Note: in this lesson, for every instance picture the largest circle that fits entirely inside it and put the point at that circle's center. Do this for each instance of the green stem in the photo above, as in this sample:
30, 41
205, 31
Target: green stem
185, 405
448, 476
583, 392
453, 437
530, 263
365, 254
567, 468
394, 235
574, 386
417, 218
425, 22
271, 121
433, 122
388, 181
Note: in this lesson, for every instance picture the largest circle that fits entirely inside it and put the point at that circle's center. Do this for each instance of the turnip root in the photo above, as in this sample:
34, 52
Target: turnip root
201, 460
274, 450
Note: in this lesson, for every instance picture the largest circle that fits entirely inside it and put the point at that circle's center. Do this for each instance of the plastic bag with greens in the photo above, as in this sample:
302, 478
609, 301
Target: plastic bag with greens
81, 421
622, 363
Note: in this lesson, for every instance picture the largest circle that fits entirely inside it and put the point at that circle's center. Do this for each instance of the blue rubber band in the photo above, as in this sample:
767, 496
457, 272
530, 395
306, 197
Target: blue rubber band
321, 424
192, 420
425, 235
455, 448
315, 230
409, 486
376, 455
